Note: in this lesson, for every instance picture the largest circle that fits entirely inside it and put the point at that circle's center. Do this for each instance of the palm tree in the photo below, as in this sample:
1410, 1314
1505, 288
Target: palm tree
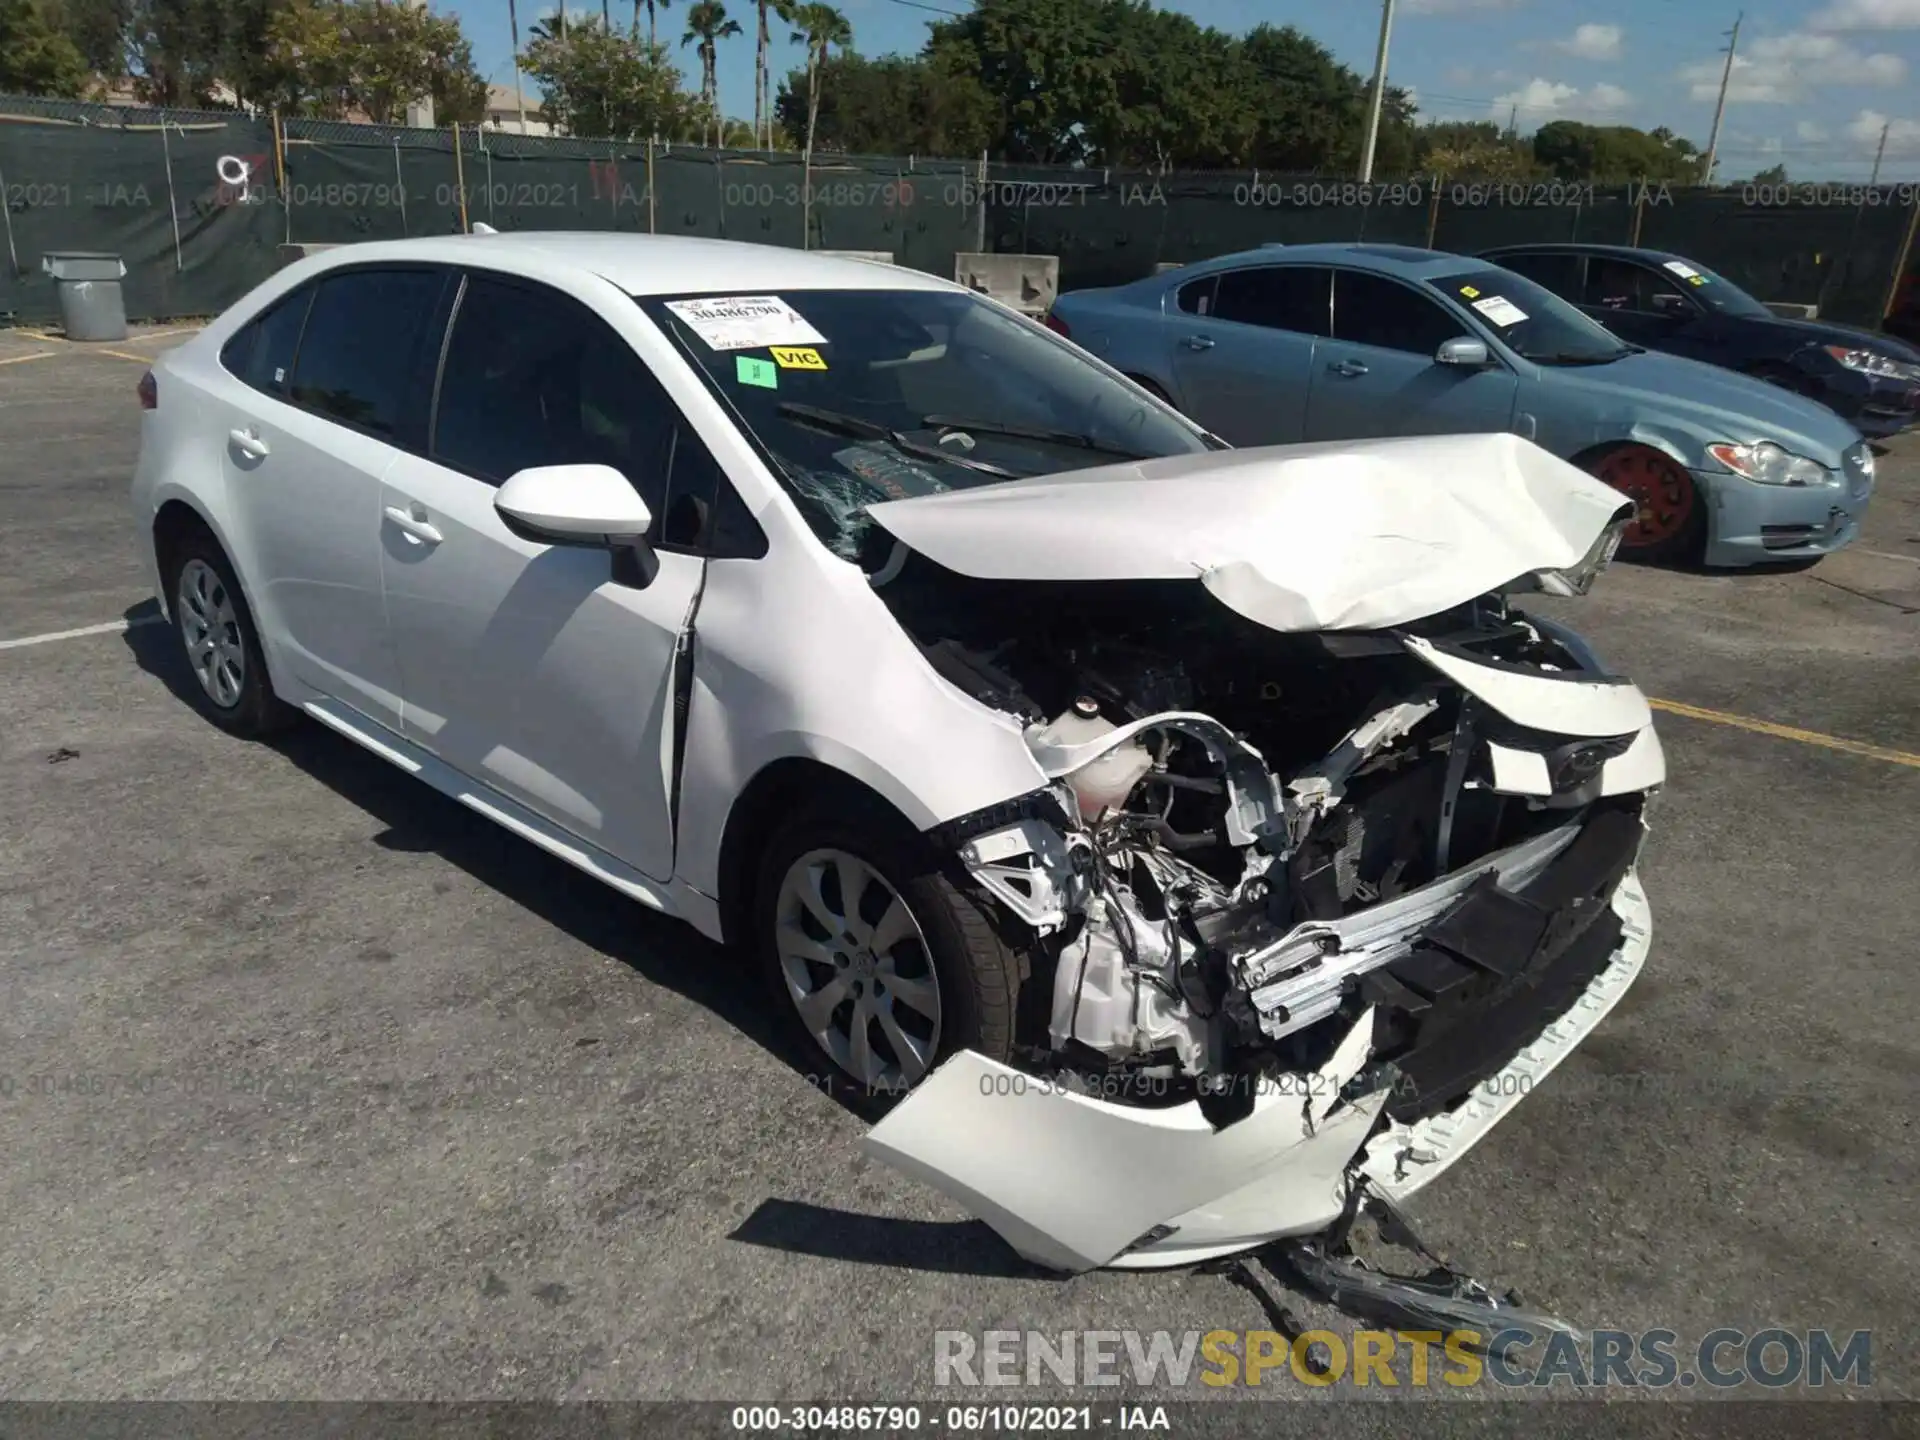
820, 26
652, 5
519, 85
763, 72
707, 22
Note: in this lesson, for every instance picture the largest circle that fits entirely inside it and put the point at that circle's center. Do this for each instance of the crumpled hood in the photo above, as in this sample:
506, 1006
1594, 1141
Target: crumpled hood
1347, 535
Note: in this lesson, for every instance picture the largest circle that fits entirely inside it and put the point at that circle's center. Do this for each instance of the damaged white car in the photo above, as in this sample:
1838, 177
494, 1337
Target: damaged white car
1200, 836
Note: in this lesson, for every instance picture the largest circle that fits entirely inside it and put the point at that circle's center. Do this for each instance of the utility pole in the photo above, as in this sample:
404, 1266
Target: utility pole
1720, 109
1379, 93
519, 87
1880, 154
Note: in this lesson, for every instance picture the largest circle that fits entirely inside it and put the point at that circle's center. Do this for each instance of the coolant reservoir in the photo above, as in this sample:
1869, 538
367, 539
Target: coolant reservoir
1102, 784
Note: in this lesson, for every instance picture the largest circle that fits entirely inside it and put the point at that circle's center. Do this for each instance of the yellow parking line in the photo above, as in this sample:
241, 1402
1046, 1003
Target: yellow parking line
1790, 732
22, 359
37, 335
123, 355
163, 334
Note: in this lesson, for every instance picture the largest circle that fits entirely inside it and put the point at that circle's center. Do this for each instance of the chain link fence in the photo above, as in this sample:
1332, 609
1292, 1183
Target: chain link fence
198, 204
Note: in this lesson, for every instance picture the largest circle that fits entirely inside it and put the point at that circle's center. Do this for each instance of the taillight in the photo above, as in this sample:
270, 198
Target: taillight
149, 392
1059, 327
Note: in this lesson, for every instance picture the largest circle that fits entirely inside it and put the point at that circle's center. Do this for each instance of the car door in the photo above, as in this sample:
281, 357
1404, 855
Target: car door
1244, 348
1377, 375
333, 371
1644, 305
530, 668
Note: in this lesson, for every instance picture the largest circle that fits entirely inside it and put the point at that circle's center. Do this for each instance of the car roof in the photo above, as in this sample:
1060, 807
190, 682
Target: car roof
1409, 261
654, 264
1576, 247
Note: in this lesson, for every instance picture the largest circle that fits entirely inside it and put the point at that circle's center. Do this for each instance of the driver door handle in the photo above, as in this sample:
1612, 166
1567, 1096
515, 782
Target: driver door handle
248, 442
414, 527
1197, 342
1348, 367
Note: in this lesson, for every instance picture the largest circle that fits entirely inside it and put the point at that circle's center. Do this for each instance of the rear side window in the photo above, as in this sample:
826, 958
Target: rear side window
1373, 310
363, 338
1275, 297
533, 377
1555, 271
261, 353
1196, 297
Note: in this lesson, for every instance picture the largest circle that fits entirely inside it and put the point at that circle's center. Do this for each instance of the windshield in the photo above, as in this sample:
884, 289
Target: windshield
1530, 320
869, 395
1716, 292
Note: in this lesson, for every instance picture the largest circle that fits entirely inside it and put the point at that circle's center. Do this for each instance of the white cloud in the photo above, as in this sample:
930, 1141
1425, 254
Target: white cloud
1592, 42
1458, 7
1903, 136
1785, 69
1810, 131
1539, 101
1867, 15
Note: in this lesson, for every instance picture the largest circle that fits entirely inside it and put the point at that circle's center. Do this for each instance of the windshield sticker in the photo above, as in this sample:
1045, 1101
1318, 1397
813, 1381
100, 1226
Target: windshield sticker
895, 478
1500, 310
1469, 291
1686, 271
749, 371
746, 322
1696, 279
797, 357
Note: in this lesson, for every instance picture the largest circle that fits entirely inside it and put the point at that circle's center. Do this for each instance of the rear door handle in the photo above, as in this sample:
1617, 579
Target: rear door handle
248, 442
1348, 367
1197, 342
414, 524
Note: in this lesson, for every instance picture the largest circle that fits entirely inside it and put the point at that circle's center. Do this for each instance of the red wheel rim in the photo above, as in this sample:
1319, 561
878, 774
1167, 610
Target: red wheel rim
1662, 494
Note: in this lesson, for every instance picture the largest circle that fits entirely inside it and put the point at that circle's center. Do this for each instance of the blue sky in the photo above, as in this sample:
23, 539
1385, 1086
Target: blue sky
1813, 86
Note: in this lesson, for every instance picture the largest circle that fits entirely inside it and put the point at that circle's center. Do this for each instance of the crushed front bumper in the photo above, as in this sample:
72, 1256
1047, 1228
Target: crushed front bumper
1074, 1182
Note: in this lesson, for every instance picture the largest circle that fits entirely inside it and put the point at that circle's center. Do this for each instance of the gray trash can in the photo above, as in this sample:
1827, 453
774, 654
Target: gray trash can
88, 284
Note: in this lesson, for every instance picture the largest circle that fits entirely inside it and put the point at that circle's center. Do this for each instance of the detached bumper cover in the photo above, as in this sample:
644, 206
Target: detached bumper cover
1074, 1183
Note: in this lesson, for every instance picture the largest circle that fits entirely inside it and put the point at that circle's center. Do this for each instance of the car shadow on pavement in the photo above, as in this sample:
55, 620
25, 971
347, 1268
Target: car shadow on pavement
941, 1247
419, 819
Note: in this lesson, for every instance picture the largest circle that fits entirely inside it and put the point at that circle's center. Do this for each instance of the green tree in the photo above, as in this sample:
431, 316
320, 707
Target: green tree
598, 83
1614, 154
1772, 175
98, 29
821, 27
708, 24
1473, 150
193, 52
36, 56
332, 58
890, 106
1044, 62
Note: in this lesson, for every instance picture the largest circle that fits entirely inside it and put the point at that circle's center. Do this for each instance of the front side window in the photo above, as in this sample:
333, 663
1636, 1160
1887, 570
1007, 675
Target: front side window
861, 396
1529, 319
1627, 285
1373, 310
533, 377
363, 339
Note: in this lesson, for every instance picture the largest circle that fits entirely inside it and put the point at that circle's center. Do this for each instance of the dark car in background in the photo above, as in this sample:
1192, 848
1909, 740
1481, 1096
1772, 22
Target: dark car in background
1667, 302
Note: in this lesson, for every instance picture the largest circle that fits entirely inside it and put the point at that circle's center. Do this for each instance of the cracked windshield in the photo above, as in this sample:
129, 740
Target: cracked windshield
861, 396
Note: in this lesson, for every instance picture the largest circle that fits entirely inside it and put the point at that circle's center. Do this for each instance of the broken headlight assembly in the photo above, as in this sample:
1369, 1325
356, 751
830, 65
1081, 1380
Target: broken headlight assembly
1578, 578
1770, 464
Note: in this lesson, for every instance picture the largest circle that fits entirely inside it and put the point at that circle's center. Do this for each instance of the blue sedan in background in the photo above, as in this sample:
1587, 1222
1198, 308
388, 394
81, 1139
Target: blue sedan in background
1334, 342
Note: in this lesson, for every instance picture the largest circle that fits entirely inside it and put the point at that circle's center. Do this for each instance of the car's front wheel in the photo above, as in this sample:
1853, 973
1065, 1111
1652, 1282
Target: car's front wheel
217, 637
1670, 517
877, 963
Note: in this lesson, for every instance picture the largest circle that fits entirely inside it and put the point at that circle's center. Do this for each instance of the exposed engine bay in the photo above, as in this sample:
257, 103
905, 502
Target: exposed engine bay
1253, 839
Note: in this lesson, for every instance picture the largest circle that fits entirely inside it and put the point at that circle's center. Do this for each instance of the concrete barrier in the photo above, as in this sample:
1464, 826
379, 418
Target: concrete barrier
1028, 283
1788, 311
878, 257
291, 253
1165, 265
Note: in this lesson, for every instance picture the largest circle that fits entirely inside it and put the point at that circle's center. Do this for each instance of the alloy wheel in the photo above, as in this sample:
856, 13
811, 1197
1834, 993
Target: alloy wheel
858, 969
210, 630
1661, 492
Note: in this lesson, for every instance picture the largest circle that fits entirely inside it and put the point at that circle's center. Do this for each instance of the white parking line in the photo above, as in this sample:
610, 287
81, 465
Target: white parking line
112, 627
1889, 555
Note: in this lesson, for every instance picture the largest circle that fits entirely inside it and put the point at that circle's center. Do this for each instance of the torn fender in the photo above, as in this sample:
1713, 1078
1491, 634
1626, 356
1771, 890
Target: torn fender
1074, 1183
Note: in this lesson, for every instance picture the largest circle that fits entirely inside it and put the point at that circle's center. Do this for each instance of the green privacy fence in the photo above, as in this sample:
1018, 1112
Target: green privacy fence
198, 204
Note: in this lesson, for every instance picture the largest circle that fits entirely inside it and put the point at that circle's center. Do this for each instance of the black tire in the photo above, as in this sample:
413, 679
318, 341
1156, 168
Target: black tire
255, 711
1661, 533
977, 975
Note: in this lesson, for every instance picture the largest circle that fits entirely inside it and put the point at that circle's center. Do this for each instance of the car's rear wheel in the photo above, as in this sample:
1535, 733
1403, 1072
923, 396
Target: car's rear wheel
877, 963
1670, 520
217, 637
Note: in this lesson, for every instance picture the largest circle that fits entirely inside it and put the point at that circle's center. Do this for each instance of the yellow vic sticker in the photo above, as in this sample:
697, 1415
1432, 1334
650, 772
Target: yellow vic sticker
1468, 291
797, 357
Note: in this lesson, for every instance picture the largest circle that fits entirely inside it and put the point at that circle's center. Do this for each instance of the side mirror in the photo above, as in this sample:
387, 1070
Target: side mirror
1674, 307
586, 506
1467, 353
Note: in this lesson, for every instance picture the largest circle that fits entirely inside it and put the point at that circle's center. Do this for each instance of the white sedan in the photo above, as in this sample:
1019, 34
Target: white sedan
1200, 836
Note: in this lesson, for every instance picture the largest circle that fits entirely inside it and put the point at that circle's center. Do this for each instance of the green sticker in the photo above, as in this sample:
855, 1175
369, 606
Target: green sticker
749, 371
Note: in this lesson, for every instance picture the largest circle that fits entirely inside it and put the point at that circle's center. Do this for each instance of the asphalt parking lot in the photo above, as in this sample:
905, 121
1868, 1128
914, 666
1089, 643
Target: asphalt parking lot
318, 1086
